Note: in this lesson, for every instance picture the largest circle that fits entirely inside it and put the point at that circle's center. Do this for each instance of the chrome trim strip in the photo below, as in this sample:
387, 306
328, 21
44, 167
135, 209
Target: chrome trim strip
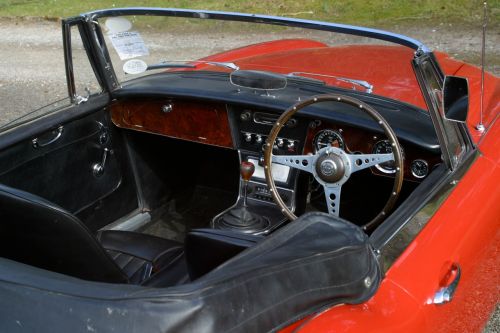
269, 19
130, 222
364, 84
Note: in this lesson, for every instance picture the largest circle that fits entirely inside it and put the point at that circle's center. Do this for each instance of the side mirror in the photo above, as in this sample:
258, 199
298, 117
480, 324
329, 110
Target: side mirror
455, 98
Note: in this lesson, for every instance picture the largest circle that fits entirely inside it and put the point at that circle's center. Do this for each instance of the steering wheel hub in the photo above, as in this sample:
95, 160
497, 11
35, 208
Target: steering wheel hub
330, 168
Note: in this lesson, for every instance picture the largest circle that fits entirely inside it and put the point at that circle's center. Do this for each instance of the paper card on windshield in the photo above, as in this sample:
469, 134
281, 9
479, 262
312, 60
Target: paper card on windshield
128, 44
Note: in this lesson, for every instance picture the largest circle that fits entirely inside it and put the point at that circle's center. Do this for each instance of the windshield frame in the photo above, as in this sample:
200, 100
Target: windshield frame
268, 19
95, 40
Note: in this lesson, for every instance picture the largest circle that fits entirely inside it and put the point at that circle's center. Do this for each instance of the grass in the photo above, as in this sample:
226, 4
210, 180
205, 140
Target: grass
364, 12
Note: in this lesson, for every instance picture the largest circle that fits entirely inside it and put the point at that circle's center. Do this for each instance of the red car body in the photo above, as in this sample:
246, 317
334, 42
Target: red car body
461, 237
464, 230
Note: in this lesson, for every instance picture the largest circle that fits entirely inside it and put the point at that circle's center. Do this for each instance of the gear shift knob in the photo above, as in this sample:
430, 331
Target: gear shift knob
246, 170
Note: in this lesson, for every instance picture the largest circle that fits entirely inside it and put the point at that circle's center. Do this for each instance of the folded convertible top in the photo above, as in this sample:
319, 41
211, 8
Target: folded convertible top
312, 263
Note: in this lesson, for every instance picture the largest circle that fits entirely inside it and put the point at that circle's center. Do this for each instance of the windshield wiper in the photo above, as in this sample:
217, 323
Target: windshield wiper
189, 64
364, 84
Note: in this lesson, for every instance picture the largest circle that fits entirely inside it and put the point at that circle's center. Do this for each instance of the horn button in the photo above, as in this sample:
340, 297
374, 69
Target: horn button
330, 168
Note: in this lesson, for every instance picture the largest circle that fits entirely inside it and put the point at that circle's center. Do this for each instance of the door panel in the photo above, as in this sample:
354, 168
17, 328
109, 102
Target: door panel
59, 168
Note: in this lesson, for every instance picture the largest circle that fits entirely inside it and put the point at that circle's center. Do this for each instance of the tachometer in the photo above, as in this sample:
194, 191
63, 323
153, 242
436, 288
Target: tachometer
328, 138
385, 147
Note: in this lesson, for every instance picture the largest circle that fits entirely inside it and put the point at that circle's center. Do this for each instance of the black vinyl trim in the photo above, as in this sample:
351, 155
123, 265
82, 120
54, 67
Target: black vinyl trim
52, 120
290, 274
410, 123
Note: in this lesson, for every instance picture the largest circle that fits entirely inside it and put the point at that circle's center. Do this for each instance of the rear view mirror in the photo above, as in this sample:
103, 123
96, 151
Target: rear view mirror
455, 98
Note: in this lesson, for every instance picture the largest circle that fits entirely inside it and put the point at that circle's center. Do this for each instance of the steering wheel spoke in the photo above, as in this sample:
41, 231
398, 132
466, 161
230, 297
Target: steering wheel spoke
363, 161
332, 196
301, 162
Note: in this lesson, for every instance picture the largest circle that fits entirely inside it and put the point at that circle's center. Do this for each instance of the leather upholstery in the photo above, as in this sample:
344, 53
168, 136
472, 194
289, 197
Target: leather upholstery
312, 263
208, 248
36, 232
140, 255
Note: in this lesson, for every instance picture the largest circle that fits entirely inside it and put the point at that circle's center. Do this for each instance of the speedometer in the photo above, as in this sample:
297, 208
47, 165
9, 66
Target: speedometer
328, 138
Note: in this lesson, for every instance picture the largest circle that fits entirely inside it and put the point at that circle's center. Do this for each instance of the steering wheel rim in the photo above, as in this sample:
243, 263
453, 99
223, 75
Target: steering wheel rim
331, 166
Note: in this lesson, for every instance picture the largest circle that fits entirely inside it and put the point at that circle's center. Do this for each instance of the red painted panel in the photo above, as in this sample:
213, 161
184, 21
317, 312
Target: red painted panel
490, 144
392, 310
265, 48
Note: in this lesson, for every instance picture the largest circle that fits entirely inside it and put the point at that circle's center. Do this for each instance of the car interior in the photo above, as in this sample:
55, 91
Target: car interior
166, 182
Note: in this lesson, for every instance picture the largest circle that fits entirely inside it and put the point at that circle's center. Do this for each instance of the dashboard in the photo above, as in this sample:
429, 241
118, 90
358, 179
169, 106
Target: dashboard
245, 128
204, 107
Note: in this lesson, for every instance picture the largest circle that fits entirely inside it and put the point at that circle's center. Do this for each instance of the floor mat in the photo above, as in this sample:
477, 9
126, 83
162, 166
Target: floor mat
176, 218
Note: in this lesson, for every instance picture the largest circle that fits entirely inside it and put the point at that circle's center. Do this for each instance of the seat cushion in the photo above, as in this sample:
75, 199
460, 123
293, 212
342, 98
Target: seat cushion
139, 255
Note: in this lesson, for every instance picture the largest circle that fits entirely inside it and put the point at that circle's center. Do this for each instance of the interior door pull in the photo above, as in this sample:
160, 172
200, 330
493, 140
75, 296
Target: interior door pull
57, 134
445, 293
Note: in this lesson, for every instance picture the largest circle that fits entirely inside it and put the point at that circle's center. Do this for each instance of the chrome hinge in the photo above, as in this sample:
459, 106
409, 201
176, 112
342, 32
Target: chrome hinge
82, 99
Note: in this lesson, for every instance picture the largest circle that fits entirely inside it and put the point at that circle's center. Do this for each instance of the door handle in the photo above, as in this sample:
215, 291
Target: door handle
57, 134
449, 285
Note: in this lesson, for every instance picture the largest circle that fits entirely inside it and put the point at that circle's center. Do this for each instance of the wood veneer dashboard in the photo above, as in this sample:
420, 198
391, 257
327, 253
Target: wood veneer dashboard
208, 123
193, 121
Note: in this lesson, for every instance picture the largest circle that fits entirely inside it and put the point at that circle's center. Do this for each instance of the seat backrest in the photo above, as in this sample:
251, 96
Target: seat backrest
36, 232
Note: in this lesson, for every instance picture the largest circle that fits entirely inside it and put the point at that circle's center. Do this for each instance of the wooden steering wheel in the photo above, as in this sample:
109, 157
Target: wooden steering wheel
331, 166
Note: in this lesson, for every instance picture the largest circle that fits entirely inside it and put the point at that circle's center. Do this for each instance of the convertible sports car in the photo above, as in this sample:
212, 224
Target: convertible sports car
200, 184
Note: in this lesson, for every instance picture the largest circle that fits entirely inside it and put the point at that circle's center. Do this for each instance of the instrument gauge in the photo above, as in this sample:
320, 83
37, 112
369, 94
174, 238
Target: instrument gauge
385, 147
328, 138
419, 168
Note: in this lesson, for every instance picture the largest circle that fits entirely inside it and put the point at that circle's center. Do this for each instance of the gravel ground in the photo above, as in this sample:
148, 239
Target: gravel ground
32, 67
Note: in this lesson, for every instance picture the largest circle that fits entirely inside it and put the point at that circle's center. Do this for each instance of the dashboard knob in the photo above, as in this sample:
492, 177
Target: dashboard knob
248, 137
259, 139
167, 108
280, 142
245, 116
291, 145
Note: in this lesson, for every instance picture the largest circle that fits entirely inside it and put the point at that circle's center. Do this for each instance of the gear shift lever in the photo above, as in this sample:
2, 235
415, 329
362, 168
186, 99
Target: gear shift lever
241, 216
246, 170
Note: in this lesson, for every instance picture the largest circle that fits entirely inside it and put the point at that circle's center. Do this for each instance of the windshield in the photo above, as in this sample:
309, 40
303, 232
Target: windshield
143, 45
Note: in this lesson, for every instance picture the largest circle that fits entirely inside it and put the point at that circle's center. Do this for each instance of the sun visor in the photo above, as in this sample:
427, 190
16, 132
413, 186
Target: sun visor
314, 262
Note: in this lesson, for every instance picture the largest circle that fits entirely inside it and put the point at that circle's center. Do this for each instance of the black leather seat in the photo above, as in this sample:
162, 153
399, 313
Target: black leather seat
34, 231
